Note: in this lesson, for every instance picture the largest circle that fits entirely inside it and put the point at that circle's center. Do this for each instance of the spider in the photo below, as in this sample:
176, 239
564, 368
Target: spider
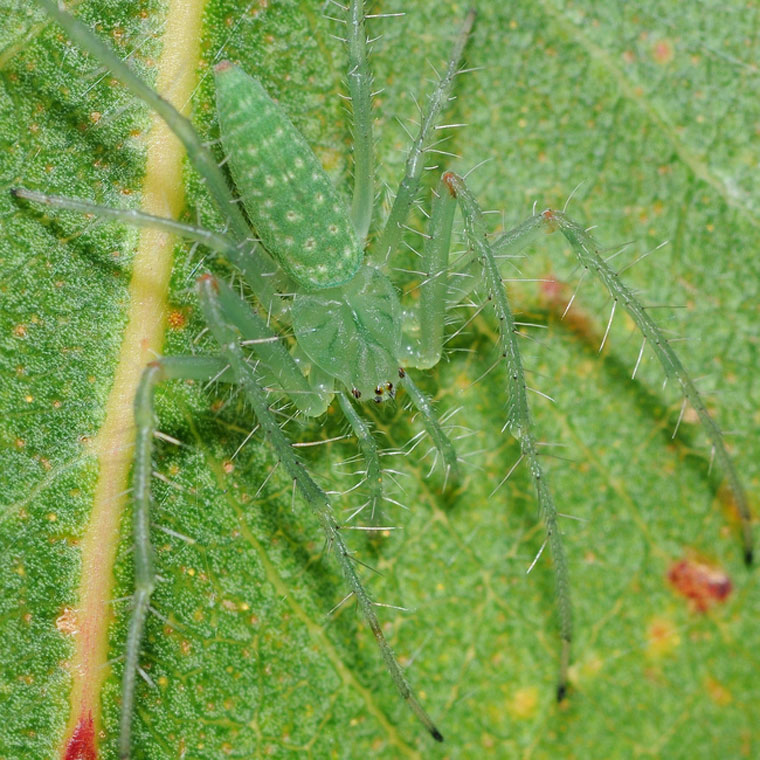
352, 338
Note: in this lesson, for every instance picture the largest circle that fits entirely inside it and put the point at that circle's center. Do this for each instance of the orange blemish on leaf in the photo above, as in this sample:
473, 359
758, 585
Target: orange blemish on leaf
702, 584
662, 637
718, 692
727, 500
176, 319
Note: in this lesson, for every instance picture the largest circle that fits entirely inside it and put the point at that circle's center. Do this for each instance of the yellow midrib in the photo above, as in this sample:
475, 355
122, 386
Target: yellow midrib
163, 195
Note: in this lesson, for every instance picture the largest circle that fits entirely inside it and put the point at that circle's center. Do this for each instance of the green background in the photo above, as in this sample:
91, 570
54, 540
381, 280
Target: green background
653, 107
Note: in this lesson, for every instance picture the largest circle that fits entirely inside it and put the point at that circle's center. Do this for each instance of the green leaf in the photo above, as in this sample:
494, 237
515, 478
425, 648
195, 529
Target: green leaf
652, 106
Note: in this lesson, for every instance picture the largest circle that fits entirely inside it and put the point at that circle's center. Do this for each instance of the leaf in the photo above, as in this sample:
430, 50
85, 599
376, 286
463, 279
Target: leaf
652, 107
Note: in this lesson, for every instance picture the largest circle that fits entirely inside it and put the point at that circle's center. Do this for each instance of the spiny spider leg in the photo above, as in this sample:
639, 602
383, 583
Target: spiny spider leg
239, 255
174, 367
587, 252
360, 93
273, 354
201, 158
214, 304
430, 420
519, 421
370, 452
426, 350
390, 237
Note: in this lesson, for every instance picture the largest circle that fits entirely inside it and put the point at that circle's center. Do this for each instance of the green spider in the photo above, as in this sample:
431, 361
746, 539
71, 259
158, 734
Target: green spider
312, 271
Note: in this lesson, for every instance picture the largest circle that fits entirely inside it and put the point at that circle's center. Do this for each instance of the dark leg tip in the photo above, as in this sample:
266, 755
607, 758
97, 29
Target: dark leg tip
437, 735
14, 192
749, 556
561, 692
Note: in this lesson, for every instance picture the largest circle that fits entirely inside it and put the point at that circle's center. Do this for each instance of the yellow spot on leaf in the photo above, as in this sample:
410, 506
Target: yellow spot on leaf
524, 702
662, 637
718, 692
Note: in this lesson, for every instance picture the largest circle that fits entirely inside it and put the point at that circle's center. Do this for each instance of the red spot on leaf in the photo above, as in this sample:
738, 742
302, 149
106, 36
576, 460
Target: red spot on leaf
555, 296
702, 584
663, 52
81, 746
553, 290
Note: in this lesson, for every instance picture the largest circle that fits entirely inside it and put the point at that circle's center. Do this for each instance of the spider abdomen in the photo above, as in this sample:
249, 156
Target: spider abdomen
289, 198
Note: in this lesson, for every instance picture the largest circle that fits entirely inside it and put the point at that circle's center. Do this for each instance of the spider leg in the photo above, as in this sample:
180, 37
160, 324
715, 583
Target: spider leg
265, 278
430, 421
519, 421
258, 271
185, 367
215, 307
587, 252
415, 163
426, 326
360, 91
135, 218
370, 451
273, 354
423, 350
237, 245
200, 157
430, 313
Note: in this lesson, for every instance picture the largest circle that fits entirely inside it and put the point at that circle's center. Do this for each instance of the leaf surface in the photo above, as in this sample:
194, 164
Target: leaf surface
654, 110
